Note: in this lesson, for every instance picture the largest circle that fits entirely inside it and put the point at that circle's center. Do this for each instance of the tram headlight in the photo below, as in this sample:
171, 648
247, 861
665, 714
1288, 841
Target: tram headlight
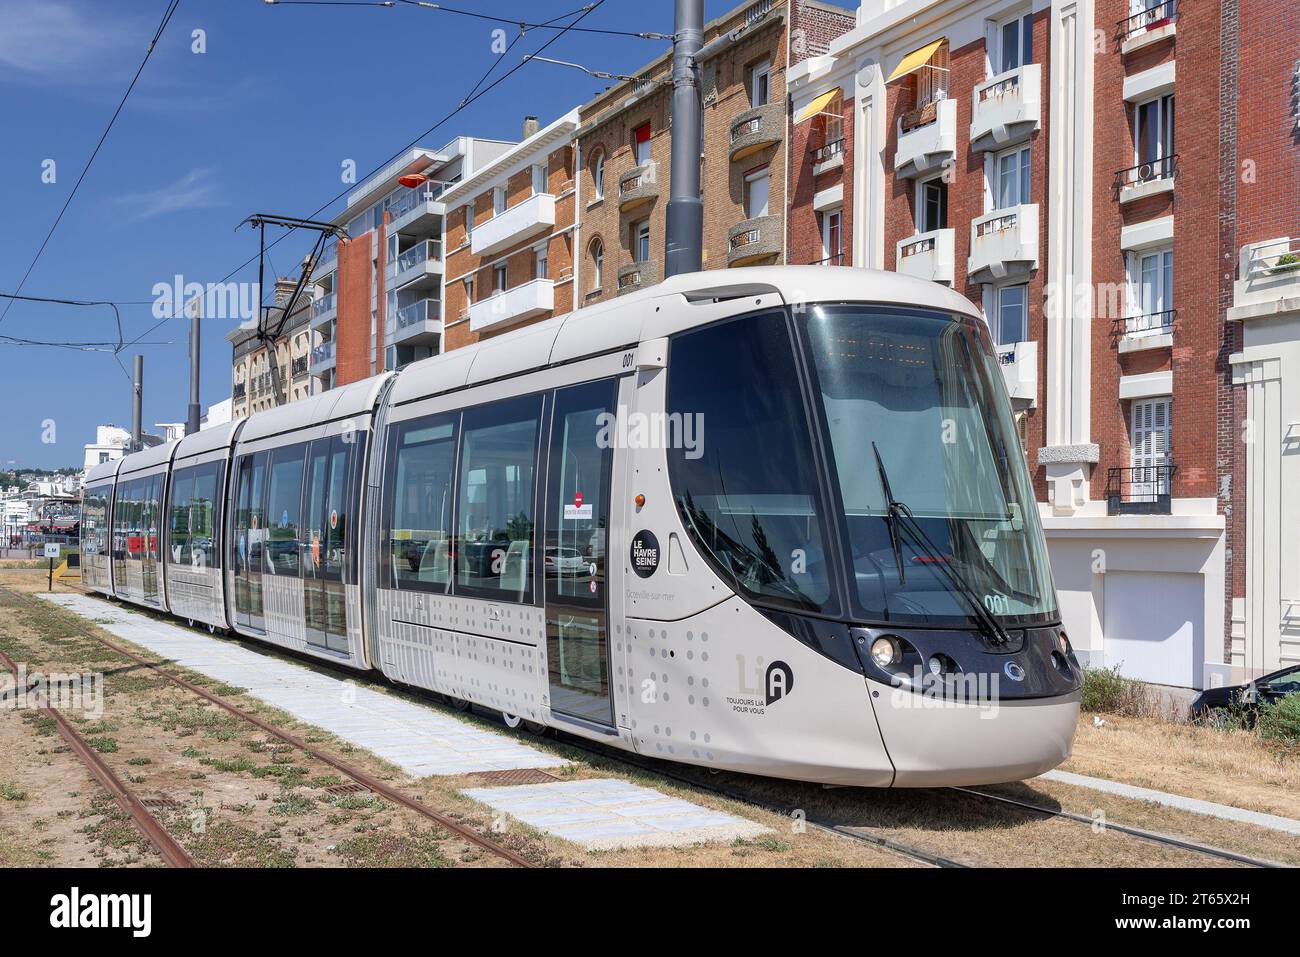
885, 652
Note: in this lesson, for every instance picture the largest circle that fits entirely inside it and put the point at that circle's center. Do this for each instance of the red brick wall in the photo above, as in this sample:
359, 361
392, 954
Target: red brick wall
804, 236
814, 25
352, 327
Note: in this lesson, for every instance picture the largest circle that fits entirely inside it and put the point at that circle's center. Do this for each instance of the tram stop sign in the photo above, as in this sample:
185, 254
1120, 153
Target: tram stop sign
53, 549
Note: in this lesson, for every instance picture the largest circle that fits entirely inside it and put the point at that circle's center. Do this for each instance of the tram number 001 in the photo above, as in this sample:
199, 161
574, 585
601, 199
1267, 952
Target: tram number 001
629, 360
997, 604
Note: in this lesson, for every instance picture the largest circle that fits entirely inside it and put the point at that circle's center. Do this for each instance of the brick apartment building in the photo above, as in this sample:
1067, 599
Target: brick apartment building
253, 388
625, 146
1134, 266
510, 236
378, 302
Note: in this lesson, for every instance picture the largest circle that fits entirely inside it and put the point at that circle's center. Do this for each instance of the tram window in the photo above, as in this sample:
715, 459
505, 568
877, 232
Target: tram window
744, 483
419, 532
94, 514
178, 515
192, 516
494, 506
284, 502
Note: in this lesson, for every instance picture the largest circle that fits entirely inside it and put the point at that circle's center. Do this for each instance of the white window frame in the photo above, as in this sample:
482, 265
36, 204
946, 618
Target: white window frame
993, 177
1164, 128
1151, 423
760, 84
640, 232
1023, 20
1137, 288
597, 265
500, 279
921, 185
598, 174
540, 262
539, 179
469, 220
498, 200
637, 144
763, 173
832, 217
995, 327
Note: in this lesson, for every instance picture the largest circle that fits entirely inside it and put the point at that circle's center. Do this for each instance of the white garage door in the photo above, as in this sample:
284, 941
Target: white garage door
1153, 624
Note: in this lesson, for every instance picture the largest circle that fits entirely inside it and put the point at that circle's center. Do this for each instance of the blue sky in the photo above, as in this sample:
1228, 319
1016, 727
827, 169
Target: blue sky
260, 122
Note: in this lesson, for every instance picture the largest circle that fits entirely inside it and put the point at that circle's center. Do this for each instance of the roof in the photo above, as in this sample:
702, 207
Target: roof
158, 455
638, 316
512, 158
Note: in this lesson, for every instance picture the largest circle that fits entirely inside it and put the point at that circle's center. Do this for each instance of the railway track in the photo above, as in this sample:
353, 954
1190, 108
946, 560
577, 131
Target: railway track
859, 834
157, 834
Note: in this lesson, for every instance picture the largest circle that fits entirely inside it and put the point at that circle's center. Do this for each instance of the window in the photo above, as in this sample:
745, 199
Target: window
283, 503
103, 457
494, 508
1152, 291
1012, 315
832, 250
932, 205
597, 265
1149, 440
499, 278
932, 79
498, 200
539, 262
193, 517
539, 179
760, 84
1011, 178
469, 221
422, 462
641, 241
754, 508
1015, 43
756, 183
1153, 132
641, 144
598, 174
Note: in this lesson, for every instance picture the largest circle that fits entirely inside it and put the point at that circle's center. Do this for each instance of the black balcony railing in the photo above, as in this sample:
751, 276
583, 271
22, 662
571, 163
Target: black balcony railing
836, 259
300, 366
1153, 16
1164, 167
829, 151
1152, 323
1140, 489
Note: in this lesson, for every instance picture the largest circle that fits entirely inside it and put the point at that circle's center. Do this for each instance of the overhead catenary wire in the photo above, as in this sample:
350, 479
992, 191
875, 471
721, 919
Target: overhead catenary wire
586, 11
153, 43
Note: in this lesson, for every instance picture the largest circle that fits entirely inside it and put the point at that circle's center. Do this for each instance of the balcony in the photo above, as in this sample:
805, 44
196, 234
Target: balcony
1268, 280
1147, 26
637, 276
754, 239
521, 221
420, 323
1019, 362
928, 256
1150, 331
299, 367
322, 357
328, 262
417, 211
1007, 108
1140, 490
421, 265
240, 390
1146, 179
531, 299
324, 309
757, 129
638, 185
927, 138
1003, 243
828, 157
834, 259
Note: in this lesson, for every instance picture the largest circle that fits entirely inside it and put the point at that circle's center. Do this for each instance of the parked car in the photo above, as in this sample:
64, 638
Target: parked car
1247, 697
561, 561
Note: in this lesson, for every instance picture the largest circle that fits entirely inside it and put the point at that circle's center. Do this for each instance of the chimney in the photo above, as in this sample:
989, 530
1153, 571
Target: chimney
284, 289
531, 126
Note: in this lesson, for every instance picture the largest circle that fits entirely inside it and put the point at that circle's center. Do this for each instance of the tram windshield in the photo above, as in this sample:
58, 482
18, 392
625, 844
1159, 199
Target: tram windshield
922, 386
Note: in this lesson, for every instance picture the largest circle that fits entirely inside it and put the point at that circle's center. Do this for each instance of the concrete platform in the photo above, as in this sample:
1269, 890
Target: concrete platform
609, 813
419, 740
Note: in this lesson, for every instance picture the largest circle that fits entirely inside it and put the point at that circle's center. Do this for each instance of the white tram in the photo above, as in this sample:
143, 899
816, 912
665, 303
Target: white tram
775, 520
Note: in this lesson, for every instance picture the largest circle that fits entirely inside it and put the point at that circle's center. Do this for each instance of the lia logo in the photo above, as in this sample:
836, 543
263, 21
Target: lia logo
779, 681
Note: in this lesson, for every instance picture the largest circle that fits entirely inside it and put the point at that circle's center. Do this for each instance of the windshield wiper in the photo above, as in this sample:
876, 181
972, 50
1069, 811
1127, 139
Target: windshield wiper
899, 511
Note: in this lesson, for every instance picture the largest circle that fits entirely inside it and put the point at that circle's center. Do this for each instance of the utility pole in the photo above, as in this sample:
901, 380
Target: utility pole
194, 413
684, 234
137, 405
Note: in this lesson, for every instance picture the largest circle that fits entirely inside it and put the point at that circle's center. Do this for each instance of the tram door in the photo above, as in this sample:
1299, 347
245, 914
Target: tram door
574, 549
250, 534
326, 515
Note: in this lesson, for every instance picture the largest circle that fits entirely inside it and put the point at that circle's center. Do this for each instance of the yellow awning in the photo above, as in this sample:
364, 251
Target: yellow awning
916, 59
816, 106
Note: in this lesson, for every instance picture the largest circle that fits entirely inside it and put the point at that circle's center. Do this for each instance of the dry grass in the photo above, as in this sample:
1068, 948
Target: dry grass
1232, 767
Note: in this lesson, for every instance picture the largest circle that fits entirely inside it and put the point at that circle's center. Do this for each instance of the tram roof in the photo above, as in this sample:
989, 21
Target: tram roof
627, 320
155, 455
355, 398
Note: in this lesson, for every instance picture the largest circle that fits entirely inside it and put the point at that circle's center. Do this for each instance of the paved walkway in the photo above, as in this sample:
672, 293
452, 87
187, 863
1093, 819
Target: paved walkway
1228, 813
419, 740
